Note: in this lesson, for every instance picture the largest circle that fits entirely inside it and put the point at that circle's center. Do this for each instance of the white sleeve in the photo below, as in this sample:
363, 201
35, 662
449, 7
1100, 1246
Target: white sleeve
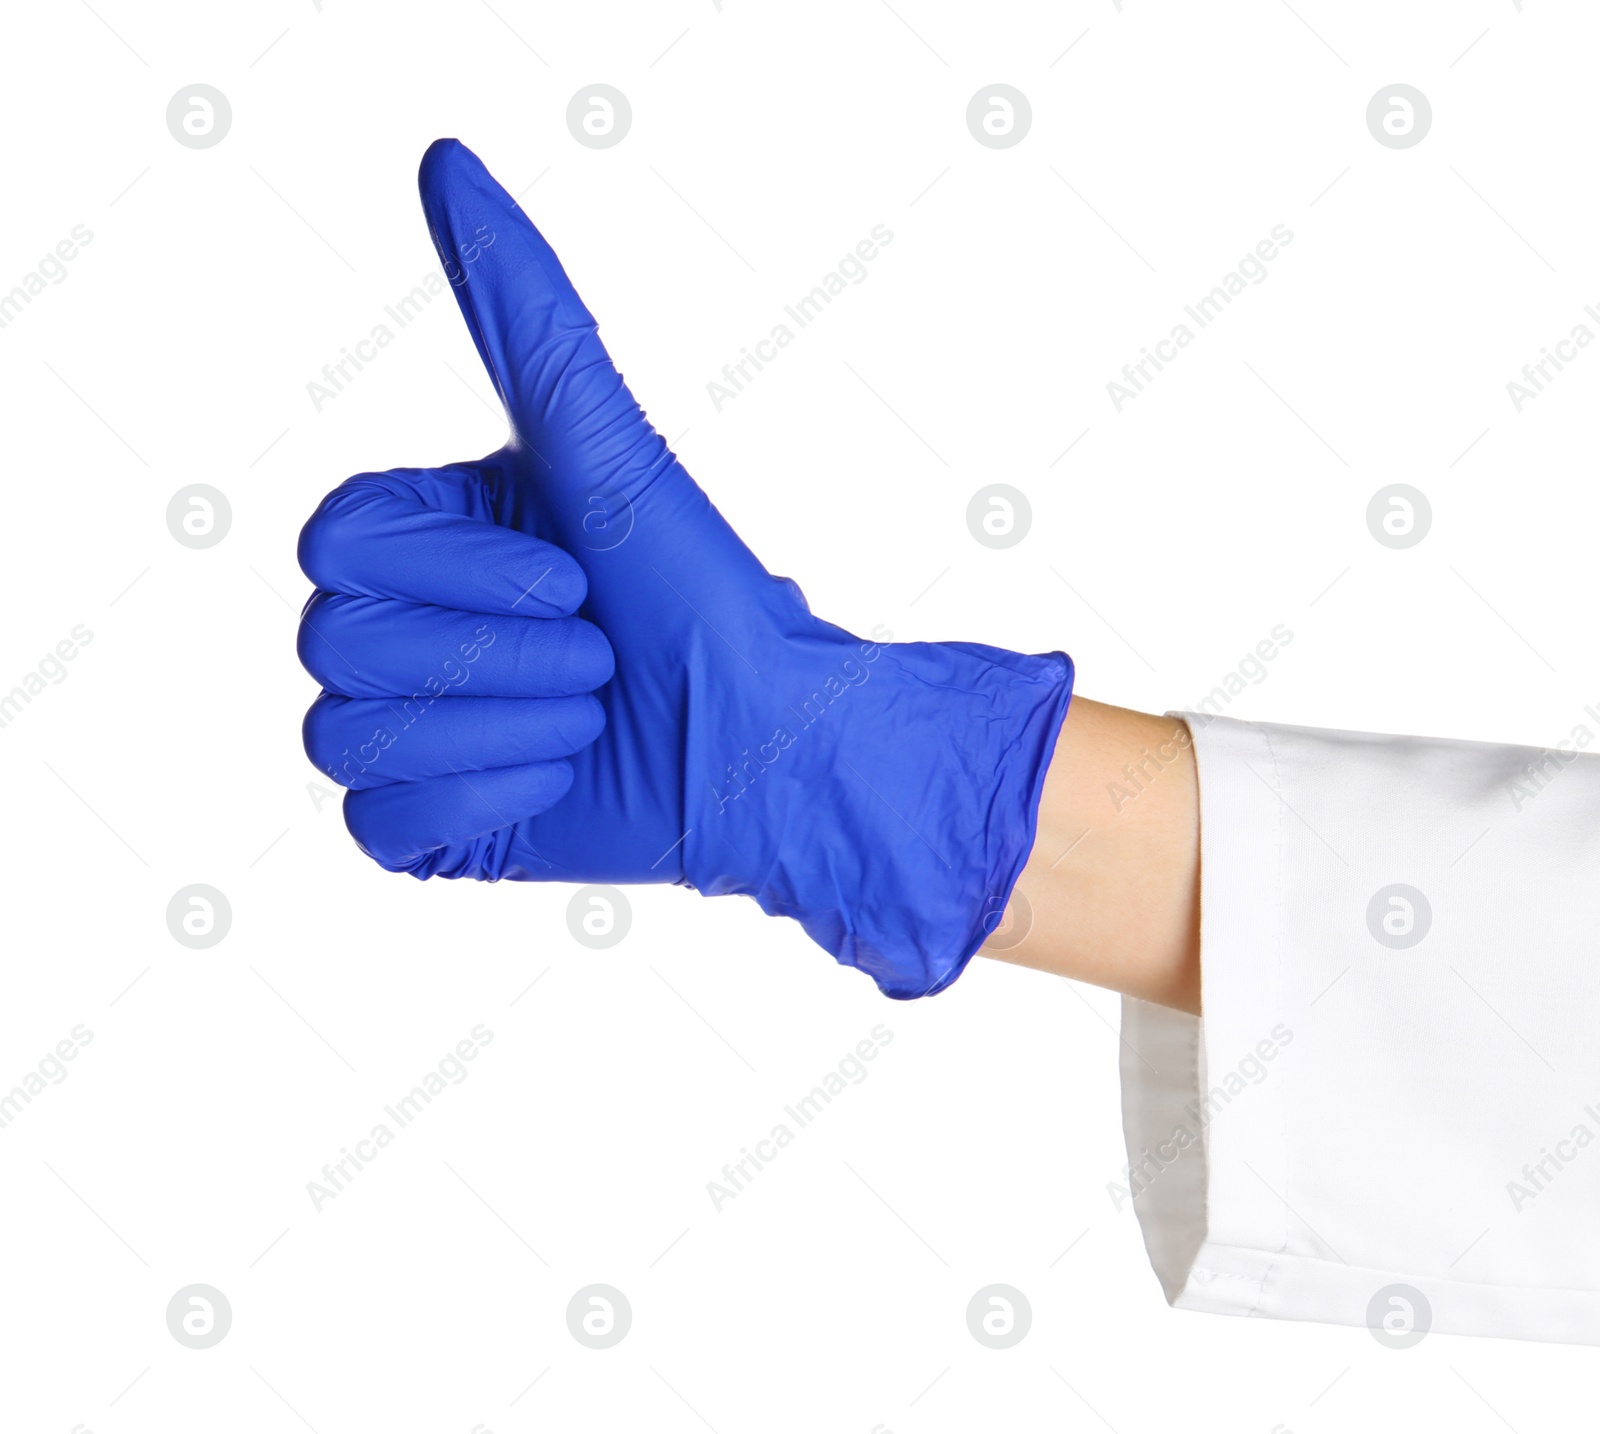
1389, 1112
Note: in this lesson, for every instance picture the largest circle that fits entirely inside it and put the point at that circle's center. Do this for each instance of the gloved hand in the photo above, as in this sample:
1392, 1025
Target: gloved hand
882, 794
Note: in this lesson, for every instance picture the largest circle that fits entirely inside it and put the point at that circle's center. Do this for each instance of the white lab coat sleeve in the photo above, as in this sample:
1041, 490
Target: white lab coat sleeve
1395, 1081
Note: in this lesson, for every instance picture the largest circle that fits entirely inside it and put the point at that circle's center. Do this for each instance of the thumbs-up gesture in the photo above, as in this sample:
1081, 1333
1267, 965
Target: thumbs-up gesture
559, 663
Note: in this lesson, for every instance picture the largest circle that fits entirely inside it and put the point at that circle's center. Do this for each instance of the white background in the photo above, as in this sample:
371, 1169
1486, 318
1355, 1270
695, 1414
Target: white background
1229, 498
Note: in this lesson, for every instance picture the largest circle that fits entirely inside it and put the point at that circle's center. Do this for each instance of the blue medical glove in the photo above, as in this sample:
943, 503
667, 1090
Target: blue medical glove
454, 676
882, 794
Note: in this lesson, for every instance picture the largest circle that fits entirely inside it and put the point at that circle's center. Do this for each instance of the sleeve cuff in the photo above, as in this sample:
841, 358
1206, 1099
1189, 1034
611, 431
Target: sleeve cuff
1361, 1131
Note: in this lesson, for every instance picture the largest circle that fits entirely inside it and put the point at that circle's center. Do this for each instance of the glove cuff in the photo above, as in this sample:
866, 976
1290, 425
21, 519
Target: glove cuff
1017, 722
893, 810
